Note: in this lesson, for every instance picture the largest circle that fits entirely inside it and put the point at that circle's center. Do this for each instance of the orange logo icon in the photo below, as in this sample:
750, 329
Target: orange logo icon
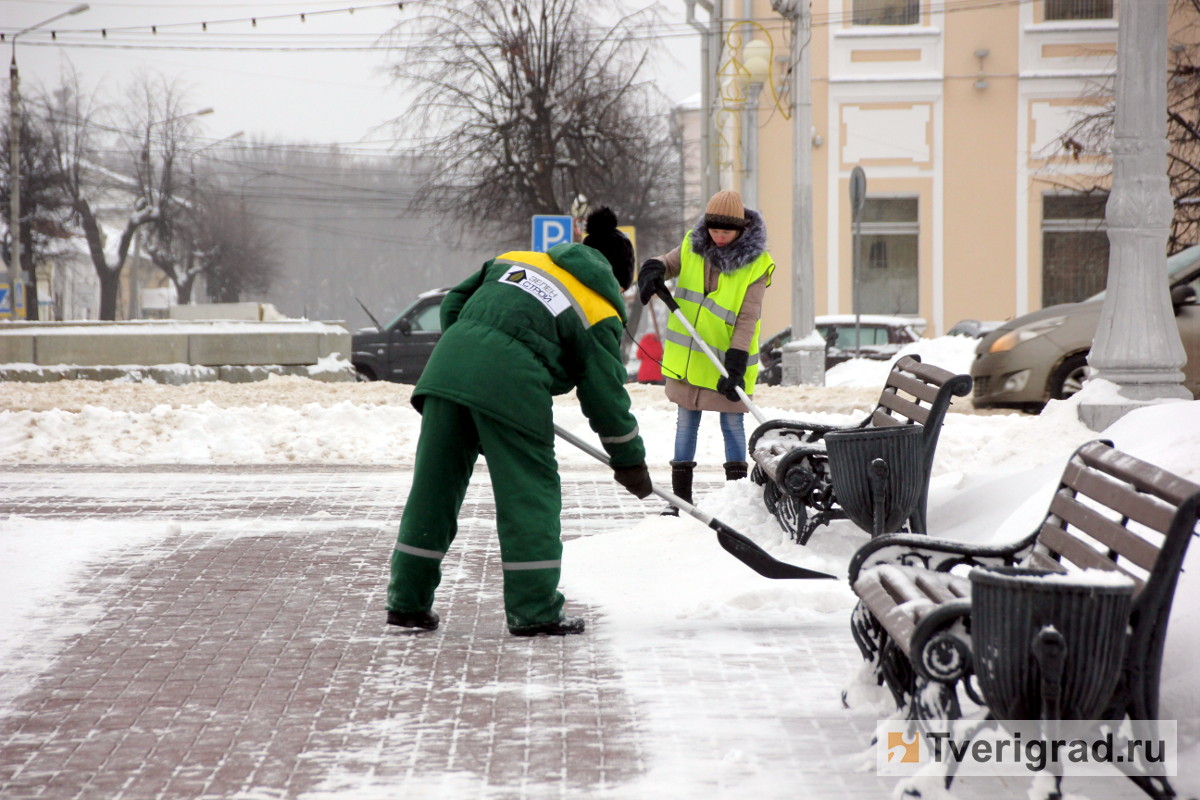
904, 748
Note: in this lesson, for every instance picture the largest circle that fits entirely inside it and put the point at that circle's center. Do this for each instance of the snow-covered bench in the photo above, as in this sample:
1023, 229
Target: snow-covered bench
792, 465
1111, 512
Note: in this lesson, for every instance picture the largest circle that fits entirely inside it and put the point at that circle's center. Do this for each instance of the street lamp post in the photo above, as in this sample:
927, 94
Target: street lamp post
1137, 347
710, 54
803, 358
14, 159
755, 55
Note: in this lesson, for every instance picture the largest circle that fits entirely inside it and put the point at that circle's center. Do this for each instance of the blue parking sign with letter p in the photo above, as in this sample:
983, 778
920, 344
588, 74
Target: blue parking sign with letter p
549, 230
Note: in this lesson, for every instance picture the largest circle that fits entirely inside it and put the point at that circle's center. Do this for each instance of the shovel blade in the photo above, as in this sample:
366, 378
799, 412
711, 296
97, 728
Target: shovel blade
759, 560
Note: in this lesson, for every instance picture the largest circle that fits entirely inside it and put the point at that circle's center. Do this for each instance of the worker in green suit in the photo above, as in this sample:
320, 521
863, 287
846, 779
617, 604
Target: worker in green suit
524, 328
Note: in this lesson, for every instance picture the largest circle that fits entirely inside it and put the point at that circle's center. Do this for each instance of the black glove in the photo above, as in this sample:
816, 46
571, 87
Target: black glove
650, 279
735, 365
636, 479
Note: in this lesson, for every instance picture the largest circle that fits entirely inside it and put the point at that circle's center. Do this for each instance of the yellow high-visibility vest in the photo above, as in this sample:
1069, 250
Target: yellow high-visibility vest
713, 316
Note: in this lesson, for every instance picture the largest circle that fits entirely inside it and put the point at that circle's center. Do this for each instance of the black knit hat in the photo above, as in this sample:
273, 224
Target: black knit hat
602, 235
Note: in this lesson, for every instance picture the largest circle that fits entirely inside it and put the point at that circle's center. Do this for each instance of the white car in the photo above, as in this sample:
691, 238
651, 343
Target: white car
874, 336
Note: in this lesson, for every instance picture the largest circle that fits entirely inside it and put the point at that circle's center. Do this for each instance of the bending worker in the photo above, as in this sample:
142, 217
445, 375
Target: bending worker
524, 328
724, 270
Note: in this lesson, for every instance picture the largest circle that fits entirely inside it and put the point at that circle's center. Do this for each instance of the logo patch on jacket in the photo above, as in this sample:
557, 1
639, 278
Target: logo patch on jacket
545, 291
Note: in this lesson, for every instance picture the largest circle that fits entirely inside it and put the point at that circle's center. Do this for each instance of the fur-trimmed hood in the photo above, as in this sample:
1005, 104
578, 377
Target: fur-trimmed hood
738, 253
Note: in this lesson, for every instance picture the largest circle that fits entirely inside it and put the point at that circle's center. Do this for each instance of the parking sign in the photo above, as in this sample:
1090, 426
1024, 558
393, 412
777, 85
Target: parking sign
549, 230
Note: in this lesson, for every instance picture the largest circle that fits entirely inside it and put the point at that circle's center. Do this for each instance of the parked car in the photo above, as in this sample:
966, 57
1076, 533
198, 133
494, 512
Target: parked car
399, 351
976, 329
1042, 356
877, 336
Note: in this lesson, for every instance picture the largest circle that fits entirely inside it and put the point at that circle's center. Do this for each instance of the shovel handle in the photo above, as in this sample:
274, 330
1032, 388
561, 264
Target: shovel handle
665, 294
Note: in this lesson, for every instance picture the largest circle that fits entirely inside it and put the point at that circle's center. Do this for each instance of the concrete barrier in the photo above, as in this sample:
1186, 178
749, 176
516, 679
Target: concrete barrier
168, 351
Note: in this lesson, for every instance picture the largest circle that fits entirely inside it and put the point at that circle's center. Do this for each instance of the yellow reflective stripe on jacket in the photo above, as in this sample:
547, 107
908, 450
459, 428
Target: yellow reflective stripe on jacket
589, 305
713, 315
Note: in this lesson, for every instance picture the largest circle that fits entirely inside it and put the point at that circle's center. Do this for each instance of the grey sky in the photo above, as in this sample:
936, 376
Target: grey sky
299, 83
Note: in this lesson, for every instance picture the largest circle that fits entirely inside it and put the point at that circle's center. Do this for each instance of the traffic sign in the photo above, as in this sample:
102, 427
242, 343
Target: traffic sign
5, 308
858, 191
549, 230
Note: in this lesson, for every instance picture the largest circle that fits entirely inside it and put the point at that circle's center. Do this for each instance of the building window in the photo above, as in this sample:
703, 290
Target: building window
887, 278
1074, 247
1078, 9
887, 12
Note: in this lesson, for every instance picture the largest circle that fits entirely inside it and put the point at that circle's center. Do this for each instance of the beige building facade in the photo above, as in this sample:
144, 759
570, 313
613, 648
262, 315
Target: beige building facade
979, 203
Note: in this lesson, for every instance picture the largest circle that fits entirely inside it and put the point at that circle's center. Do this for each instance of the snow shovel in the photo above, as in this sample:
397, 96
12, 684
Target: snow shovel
739, 546
666, 297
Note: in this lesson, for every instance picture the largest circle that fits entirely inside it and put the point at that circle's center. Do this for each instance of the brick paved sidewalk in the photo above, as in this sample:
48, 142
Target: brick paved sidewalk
244, 655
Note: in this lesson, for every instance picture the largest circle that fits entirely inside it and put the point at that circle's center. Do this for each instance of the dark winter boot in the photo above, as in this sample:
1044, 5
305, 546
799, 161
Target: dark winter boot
561, 627
425, 620
735, 470
681, 484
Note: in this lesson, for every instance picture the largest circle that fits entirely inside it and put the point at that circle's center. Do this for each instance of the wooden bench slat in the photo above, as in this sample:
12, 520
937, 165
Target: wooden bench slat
925, 371
1039, 560
1091, 523
917, 388
1171, 488
900, 597
936, 586
899, 586
907, 408
1146, 509
879, 419
1069, 547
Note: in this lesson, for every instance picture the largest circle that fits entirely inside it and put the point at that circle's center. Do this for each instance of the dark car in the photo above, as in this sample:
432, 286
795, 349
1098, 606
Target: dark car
399, 351
1042, 356
875, 336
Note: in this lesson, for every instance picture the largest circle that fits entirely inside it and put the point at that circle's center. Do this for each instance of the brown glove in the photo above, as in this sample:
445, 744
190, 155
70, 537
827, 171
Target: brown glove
636, 479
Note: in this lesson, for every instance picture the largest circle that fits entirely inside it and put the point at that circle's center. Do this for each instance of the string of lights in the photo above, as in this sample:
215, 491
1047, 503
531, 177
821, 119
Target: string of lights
204, 34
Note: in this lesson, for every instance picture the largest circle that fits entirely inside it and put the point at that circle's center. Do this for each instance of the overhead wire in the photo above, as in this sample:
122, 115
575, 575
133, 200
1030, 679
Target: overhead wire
357, 41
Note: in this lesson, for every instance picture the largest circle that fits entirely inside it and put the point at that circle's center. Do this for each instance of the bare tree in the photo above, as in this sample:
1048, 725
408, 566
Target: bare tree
138, 184
1092, 134
155, 126
45, 213
233, 249
74, 131
527, 104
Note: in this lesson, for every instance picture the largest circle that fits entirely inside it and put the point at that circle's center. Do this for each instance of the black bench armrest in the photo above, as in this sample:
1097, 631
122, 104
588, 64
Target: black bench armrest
804, 430
941, 643
940, 555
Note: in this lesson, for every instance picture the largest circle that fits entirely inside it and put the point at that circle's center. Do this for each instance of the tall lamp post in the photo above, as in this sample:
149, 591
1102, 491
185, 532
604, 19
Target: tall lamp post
755, 59
803, 358
14, 159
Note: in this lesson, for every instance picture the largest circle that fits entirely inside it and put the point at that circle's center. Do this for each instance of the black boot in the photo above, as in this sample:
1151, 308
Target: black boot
561, 627
681, 484
735, 470
425, 620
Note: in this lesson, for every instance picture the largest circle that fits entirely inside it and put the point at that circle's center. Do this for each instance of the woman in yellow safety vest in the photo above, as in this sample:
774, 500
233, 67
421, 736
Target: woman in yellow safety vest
723, 270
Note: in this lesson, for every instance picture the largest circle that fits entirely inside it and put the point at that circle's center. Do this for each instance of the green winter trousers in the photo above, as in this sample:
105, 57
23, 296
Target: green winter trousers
528, 497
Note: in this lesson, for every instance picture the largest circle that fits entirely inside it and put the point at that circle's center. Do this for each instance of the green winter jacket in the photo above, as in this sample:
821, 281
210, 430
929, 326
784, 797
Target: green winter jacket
529, 326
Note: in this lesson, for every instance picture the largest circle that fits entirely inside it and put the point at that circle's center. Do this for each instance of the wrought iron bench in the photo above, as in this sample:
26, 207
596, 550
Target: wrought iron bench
1111, 512
792, 462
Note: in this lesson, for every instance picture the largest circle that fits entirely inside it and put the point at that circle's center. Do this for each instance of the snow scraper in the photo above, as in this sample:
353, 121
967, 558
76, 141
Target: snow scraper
738, 545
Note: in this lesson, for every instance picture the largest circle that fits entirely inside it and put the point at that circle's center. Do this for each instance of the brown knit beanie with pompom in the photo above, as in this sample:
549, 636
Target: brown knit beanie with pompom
725, 211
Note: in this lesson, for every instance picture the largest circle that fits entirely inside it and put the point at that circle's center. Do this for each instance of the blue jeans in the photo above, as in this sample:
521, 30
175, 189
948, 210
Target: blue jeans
687, 426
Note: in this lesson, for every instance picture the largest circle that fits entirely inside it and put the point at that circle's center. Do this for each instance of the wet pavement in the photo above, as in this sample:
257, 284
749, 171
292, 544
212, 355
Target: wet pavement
240, 652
